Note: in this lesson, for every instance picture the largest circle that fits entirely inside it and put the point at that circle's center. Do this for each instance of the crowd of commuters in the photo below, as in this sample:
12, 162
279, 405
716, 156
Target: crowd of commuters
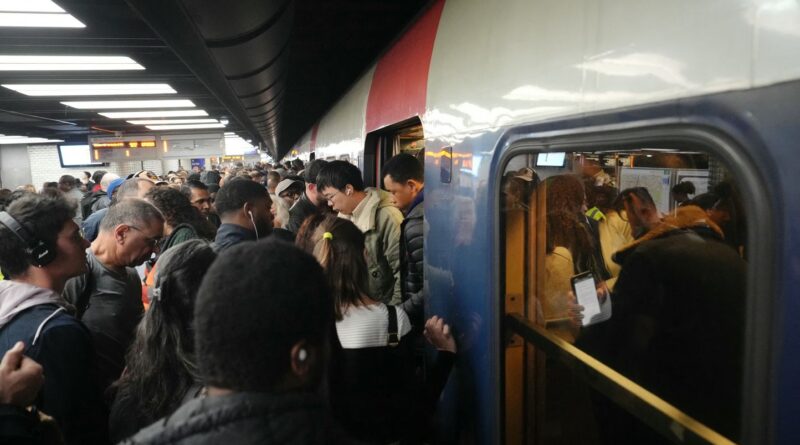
178, 309
671, 290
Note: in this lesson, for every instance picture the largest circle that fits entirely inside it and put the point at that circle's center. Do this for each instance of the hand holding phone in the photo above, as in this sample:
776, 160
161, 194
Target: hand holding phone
585, 292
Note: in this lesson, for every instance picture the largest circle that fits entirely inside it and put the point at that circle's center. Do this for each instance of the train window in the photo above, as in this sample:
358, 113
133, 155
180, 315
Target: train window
381, 145
634, 258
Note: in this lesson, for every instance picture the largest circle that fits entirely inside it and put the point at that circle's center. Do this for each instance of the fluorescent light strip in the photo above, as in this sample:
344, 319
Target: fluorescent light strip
144, 114
8, 140
129, 104
39, 20
29, 6
184, 127
174, 121
91, 89
67, 63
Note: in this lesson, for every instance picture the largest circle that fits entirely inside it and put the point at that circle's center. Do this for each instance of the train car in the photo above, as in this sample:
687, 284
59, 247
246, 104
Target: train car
501, 97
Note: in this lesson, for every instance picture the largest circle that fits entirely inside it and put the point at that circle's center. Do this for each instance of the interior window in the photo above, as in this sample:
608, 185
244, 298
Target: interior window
381, 145
637, 257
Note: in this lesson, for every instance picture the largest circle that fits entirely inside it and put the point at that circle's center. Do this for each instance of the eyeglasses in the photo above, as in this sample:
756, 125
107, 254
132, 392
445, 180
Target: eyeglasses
330, 196
152, 242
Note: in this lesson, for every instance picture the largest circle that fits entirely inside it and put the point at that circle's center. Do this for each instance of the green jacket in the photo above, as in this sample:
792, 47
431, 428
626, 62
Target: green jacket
380, 222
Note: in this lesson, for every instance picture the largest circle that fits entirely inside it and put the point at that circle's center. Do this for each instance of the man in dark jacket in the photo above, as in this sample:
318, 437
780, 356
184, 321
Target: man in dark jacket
40, 249
312, 201
678, 315
244, 209
260, 350
404, 178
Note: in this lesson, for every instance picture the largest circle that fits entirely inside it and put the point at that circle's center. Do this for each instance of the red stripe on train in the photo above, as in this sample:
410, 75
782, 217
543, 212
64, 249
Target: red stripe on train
400, 83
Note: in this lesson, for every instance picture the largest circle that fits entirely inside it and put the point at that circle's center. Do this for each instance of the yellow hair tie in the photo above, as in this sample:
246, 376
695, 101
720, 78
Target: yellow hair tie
327, 235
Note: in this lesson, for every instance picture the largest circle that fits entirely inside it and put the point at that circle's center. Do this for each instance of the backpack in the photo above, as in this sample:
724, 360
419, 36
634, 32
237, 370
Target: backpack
88, 201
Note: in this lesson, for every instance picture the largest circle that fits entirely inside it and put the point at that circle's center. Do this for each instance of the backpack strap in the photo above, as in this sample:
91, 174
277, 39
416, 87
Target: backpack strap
83, 300
394, 335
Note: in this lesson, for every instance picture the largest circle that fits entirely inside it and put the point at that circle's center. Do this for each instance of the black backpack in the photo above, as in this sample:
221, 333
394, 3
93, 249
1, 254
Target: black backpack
88, 201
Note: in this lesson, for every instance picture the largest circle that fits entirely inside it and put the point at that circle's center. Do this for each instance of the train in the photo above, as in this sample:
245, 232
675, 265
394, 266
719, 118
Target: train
646, 93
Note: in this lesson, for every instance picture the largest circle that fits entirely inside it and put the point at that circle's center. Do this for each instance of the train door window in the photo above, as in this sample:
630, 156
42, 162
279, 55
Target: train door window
634, 259
381, 145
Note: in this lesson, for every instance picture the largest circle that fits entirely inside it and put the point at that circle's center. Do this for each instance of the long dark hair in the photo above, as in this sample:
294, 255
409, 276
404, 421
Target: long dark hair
340, 251
160, 363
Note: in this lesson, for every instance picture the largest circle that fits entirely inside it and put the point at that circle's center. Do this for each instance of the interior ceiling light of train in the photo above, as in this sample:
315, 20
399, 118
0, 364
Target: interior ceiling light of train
74, 68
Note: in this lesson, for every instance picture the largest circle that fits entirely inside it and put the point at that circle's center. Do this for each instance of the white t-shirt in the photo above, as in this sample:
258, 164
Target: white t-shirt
365, 326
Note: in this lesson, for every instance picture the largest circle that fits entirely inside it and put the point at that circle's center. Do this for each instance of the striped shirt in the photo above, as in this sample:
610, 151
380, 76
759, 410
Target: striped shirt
366, 326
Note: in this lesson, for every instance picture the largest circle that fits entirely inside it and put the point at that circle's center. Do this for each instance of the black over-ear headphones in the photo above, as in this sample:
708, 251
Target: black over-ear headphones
40, 253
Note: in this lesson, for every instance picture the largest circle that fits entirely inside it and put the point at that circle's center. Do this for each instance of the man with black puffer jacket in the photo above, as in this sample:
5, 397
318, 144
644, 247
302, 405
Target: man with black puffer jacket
404, 178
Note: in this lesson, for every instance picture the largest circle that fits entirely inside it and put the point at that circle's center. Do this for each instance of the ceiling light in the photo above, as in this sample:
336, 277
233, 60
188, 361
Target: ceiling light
67, 63
39, 20
184, 127
29, 6
173, 121
128, 104
6, 140
143, 114
91, 89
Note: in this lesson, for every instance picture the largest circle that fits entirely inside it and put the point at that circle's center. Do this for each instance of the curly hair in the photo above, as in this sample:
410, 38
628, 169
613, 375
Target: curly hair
177, 210
565, 199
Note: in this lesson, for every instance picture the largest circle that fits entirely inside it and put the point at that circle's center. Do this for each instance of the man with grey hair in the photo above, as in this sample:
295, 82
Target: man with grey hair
131, 188
108, 299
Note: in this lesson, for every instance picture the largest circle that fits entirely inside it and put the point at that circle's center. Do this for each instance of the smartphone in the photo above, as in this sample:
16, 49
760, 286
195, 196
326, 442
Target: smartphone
585, 292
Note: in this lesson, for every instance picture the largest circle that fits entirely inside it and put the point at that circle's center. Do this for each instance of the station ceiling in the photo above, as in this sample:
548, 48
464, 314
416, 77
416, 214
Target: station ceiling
270, 68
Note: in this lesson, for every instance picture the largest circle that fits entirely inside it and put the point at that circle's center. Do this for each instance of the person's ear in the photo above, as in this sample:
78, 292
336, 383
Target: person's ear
121, 233
348, 190
301, 359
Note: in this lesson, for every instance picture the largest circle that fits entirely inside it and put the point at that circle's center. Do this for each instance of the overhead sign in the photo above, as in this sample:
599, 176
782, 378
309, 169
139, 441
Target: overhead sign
127, 148
192, 145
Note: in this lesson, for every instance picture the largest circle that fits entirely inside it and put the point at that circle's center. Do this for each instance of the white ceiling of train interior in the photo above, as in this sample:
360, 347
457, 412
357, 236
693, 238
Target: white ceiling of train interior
74, 68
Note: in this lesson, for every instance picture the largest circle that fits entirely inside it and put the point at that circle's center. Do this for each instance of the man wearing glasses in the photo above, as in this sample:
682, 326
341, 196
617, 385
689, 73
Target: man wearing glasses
108, 298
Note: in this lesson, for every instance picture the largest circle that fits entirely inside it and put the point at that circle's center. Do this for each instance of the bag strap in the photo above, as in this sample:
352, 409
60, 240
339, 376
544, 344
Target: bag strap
394, 336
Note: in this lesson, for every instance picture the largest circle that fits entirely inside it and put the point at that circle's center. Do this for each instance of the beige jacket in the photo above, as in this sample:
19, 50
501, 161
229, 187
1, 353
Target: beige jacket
380, 222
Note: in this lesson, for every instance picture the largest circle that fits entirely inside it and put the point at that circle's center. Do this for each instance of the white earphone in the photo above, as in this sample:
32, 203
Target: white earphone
302, 355
253, 221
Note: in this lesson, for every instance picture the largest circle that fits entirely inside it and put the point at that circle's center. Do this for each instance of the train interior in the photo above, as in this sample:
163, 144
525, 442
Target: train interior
548, 203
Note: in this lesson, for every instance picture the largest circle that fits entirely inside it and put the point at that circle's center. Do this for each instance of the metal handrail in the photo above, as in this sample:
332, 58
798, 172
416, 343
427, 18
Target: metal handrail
664, 418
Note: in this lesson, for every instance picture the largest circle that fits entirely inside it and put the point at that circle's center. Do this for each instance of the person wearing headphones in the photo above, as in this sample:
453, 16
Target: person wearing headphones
41, 248
243, 207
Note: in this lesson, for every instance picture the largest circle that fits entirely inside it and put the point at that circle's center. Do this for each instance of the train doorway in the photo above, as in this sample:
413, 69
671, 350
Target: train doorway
381, 145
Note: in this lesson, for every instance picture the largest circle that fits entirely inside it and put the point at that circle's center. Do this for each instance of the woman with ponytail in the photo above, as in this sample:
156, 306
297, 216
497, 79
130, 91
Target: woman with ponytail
375, 392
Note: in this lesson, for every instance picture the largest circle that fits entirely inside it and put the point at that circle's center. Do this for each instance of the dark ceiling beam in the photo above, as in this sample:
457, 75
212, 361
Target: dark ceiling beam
170, 21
